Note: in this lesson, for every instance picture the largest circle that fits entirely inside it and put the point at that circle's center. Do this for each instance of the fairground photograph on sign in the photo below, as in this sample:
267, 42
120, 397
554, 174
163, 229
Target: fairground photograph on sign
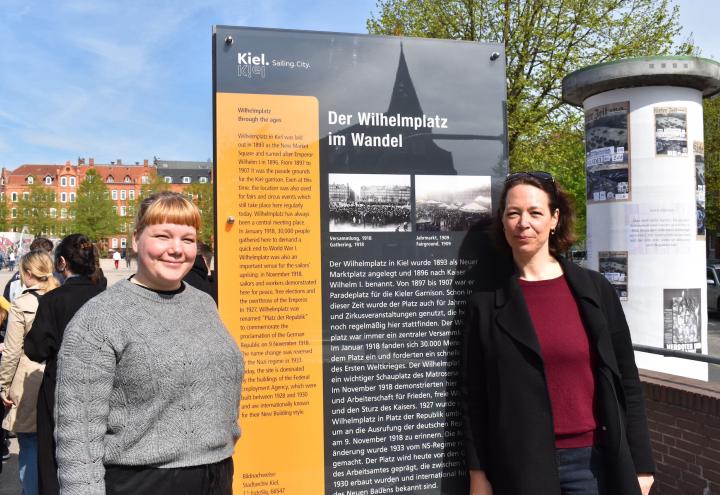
451, 202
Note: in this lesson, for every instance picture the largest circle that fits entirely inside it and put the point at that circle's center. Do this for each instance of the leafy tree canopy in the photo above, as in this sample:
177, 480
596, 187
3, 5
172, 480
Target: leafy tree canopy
37, 210
544, 41
93, 213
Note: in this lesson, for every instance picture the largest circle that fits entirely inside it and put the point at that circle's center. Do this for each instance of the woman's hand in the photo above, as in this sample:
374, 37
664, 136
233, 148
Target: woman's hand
479, 484
7, 402
646, 482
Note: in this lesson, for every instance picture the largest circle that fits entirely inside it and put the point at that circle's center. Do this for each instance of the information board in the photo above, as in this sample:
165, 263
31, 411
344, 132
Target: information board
355, 176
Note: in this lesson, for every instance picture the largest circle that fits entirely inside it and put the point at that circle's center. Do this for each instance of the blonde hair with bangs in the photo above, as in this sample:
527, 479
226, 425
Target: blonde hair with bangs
166, 207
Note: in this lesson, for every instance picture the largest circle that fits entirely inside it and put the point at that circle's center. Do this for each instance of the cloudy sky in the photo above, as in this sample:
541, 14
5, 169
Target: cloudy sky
132, 79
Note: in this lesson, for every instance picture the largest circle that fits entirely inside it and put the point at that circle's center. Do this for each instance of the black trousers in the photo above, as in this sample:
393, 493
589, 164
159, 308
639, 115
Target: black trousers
207, 479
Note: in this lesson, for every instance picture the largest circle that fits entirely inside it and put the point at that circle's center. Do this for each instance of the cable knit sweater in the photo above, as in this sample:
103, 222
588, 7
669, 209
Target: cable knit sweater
144, 379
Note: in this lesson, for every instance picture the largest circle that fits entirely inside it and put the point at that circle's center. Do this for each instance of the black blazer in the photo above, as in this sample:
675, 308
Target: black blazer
508, 419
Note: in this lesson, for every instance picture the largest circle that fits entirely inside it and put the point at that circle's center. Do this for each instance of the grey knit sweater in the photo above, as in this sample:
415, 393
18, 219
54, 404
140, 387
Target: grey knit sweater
144, 379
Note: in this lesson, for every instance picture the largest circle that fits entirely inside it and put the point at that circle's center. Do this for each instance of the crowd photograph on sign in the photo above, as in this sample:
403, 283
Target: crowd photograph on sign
671, 131
369, 203
607, 152
445, 203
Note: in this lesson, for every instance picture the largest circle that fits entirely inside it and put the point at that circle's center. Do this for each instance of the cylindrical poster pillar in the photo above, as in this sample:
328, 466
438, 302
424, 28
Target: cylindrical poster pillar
646, 196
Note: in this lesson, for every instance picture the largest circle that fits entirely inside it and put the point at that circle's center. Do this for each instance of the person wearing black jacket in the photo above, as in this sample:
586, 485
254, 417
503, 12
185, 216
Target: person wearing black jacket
75, 259
199, 275
552, 397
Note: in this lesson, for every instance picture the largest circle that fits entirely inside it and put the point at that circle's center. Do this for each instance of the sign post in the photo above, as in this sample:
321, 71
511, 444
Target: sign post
353, 177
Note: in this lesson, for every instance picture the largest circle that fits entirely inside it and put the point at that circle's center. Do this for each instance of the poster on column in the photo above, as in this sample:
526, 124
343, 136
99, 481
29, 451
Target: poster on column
671, 131
355, 177
607, 152
699, 152
682, 320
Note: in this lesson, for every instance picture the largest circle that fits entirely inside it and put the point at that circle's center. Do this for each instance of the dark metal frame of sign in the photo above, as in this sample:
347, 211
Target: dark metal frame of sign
355, 178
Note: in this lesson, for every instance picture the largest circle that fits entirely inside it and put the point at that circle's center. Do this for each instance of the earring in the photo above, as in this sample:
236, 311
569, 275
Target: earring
552, 231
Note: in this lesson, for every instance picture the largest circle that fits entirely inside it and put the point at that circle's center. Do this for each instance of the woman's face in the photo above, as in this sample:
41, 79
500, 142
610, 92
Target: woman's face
527, 220
165, 254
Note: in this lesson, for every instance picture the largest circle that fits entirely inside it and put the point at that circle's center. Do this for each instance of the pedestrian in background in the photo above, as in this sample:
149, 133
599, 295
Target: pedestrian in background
552, 396
75, 259
153, 371
4, 443
116, 259
20, 377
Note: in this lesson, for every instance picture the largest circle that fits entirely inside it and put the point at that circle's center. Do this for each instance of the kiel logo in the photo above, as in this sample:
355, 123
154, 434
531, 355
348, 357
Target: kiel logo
250, 65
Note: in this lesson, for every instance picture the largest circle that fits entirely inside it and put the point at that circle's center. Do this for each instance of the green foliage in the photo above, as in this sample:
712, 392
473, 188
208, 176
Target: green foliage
156, 184
544, 40
34, 211
711, 110
92, 213
202, 197
4, 216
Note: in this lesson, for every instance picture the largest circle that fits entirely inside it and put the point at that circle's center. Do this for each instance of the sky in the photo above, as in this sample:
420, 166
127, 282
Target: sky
132, 79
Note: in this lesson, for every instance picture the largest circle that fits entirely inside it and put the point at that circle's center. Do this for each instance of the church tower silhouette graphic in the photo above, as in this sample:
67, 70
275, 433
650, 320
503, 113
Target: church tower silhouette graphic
419, 153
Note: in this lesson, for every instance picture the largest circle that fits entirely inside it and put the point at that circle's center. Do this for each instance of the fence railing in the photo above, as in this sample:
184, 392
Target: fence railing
705, 358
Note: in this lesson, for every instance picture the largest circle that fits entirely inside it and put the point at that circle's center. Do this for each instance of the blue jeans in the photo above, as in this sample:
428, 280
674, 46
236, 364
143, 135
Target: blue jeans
581, 471
27, 461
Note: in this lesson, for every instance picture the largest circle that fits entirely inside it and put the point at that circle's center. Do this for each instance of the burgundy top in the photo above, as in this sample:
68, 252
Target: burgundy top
567, 358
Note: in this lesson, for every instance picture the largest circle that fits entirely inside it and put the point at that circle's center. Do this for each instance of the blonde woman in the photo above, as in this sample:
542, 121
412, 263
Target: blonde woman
148, 378
20, 378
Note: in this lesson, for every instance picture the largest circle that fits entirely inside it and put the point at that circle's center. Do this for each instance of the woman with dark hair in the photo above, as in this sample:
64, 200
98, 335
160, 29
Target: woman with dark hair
148, 383
75, 260
552, 397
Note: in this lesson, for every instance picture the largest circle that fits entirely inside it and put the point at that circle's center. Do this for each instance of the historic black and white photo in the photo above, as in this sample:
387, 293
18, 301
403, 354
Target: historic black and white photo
671, 131
369, 202
614, 266
699, 152
682, 319
451, 202
607, 152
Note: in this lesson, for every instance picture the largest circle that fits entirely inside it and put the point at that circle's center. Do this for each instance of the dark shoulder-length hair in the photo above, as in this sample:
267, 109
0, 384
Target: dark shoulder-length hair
564, 234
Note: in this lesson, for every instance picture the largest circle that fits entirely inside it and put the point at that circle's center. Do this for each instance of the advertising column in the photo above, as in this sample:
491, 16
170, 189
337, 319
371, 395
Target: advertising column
646, 196
355, 176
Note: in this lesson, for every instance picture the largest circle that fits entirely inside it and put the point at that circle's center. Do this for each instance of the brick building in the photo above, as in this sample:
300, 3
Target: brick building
123, 181
181, 174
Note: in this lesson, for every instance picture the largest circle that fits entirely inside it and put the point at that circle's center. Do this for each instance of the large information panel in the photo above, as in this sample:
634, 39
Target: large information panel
355, 177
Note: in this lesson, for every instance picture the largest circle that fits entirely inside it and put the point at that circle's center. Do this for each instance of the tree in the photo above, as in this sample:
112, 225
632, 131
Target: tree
544, 41
4, 215
93, 213
202, 196
37, 209
711, 110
